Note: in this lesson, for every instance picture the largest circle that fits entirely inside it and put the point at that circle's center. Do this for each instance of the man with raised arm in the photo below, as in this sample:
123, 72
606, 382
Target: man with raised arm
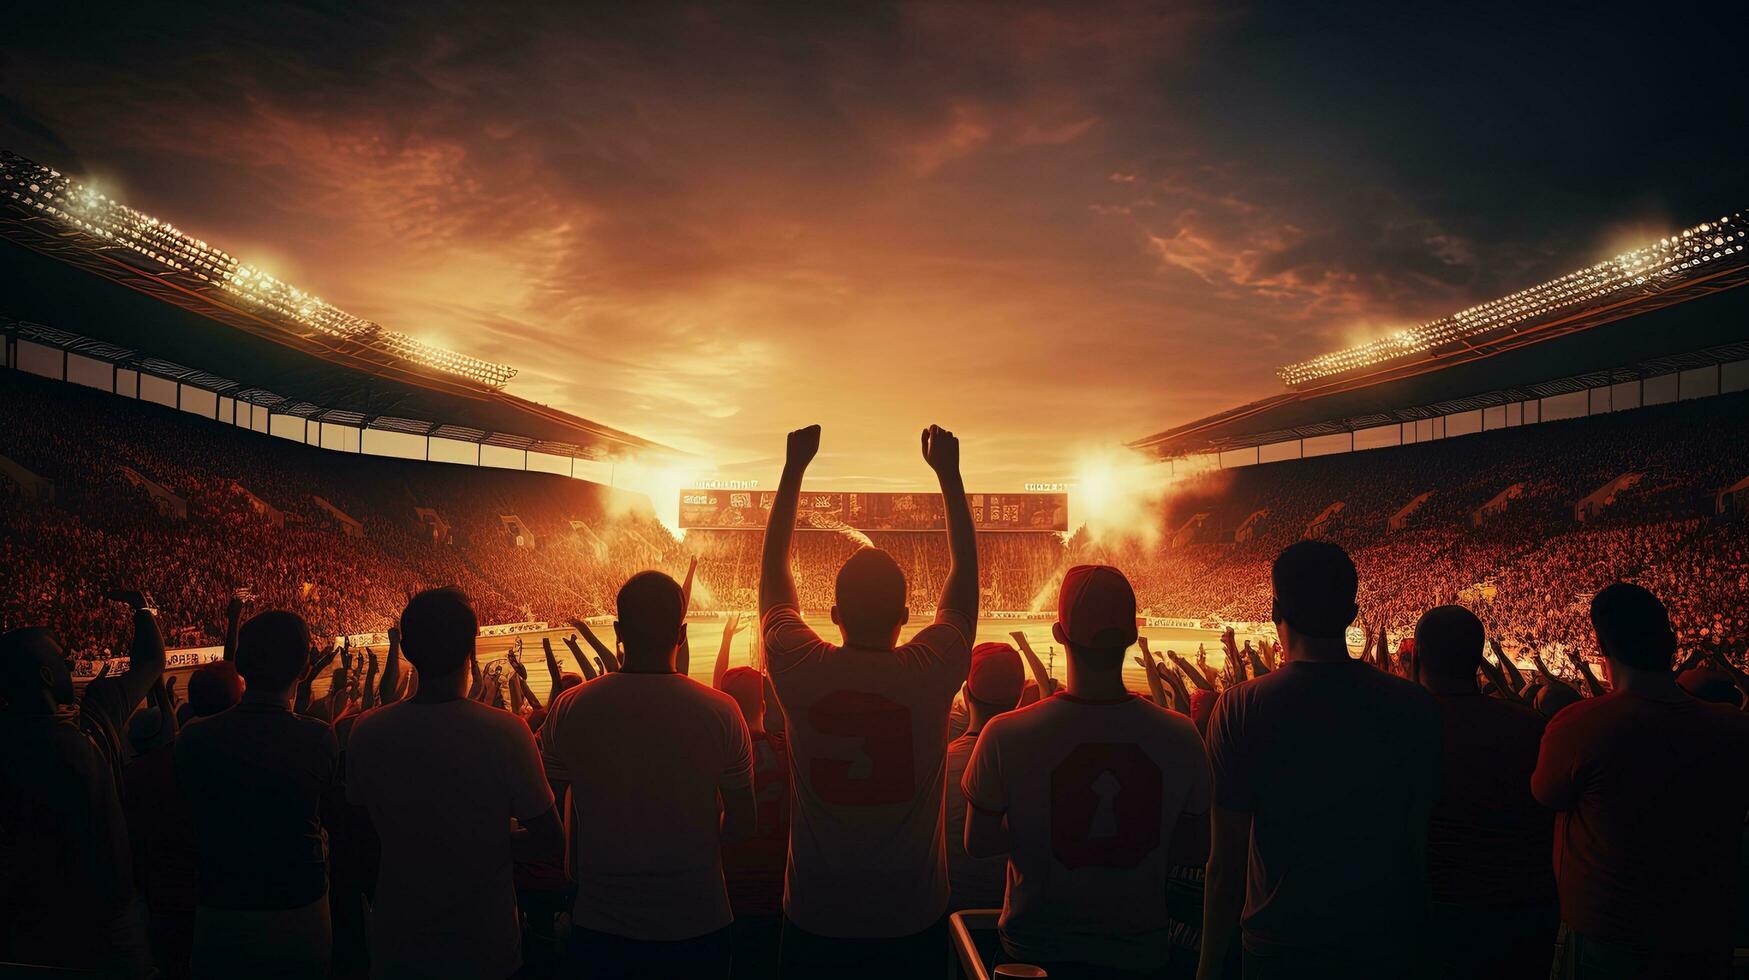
866, 887
68, 896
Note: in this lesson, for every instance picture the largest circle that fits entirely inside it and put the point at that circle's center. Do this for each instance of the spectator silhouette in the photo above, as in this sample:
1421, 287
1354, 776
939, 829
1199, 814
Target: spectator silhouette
1325, 771
753, 868
1488, 840
661, 774
993, 687
866, 888
68, 897
1092, 794
1650, 786
161, 824
443, 778
254, 777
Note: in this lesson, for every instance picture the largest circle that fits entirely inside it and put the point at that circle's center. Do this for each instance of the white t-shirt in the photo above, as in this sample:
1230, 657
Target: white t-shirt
646, 756
868, 748
1092, 791
973, 883
442, 783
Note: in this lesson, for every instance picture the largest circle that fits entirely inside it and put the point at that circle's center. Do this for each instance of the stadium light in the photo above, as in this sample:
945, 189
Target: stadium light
1664, 264
81, 206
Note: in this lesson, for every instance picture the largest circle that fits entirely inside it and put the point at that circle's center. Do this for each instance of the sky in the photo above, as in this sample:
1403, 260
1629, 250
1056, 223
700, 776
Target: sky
1050, 228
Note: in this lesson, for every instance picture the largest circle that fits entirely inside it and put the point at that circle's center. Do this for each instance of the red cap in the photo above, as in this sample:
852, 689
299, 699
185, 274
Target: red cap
746, 686
997, 676
1097, 608
214, 687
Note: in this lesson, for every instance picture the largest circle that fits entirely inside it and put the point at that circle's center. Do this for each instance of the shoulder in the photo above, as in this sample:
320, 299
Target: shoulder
1010, 724
1170, 721
709, 697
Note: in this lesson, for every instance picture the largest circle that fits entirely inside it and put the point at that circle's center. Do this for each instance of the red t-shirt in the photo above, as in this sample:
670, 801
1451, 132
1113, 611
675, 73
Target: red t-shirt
1651, 797
1488, 839
753, 868
868, 760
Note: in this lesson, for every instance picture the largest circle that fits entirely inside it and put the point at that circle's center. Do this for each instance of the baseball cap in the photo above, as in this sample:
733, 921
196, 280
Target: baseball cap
996, 676
746, 686
1097, 608
213, 688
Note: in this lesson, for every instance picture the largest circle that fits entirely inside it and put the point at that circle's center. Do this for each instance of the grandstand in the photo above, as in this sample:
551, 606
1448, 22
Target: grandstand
1604, 419
108, 297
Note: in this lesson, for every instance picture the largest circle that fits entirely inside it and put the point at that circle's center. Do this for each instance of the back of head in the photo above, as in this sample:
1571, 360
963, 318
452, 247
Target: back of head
747, 687
1315, 584
1551, 699
1633, 627
997, 677
1096, 615
1448, 642
31, 663
569, 679
214, 688
147, 730
272, 650
870, 593
438, 630
651, 609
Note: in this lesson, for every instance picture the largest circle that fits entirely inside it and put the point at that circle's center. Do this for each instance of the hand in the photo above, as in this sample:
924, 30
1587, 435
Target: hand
170, 687
801, 447
941, 450
394, 636
318, 662
135, 599
234, 608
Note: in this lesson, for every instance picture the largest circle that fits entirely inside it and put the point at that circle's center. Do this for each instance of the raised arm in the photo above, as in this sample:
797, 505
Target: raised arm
1592, 684
391, 684
553, 671
608, 660
582, 662
941, 450
731, 626
1146, 661
1040, 676
233, 622
145, 656
777, 587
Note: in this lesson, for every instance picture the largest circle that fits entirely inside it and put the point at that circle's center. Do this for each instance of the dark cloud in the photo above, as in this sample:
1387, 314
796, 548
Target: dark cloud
1053, 227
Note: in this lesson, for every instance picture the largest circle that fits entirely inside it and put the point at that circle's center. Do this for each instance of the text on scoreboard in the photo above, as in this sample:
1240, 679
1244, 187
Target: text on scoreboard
875, 511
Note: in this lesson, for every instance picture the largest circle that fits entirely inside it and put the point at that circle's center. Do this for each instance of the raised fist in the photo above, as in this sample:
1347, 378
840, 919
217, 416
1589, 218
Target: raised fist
801, 446
941, 450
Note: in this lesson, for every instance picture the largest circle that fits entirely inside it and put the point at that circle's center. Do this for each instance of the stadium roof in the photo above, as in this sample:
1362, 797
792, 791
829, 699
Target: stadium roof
71, 288
1701, 322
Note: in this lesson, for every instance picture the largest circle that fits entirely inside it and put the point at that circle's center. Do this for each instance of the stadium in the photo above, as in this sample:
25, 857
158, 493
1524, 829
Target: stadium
500, 639
1540, 382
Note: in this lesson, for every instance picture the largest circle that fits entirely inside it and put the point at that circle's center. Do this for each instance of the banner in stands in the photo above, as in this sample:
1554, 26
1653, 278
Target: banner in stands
173, 660
876, 511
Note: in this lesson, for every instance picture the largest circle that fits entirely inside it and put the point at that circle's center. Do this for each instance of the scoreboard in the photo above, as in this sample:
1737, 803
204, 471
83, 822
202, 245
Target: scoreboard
876, 511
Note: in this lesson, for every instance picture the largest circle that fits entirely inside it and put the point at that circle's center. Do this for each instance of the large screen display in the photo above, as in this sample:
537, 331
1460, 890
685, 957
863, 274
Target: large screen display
876, 511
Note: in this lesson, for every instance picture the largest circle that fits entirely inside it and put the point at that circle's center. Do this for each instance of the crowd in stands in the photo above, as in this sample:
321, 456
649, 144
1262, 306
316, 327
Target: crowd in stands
1527, 570
252, 524
1427, 809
